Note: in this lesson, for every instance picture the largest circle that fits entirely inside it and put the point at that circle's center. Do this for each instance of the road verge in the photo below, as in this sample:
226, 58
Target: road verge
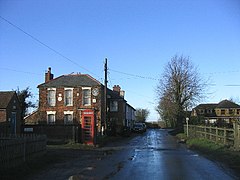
217, 152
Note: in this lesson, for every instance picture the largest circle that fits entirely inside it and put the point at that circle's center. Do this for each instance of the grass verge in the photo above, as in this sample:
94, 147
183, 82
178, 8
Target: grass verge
213, 151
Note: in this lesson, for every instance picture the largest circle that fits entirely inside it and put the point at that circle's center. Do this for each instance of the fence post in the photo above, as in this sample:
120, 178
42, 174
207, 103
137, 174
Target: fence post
236, 135
216, 134
195, 131
205, 132
73, 134
24, 149
238, 127
225, 136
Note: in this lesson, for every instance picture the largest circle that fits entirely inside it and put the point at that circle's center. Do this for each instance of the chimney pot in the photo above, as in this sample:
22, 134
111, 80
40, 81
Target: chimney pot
117, 88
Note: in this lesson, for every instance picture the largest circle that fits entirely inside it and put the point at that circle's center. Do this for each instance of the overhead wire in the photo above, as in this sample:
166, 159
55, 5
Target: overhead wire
45, 45
152, 78
134, 75
75, 63
109, 79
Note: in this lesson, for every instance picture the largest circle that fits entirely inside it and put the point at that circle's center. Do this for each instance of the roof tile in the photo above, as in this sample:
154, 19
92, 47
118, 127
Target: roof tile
5, 98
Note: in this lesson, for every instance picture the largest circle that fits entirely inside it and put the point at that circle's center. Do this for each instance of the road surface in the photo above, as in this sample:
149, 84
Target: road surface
152, 155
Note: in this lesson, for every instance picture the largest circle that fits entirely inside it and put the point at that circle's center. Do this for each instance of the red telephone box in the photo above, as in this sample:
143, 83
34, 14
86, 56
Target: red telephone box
88, 126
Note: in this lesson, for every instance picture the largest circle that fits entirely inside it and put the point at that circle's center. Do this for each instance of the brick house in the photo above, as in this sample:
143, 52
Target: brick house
225, 112
79, 99
10, 113
119, 113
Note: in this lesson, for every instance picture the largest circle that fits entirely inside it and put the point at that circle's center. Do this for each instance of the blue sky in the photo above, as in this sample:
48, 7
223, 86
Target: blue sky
137, 36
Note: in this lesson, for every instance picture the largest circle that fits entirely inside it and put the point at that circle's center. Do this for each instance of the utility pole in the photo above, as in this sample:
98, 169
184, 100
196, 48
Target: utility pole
105, 96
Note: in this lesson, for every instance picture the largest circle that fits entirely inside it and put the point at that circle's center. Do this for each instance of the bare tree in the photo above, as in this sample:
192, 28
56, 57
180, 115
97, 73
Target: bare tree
179, 89
142, 114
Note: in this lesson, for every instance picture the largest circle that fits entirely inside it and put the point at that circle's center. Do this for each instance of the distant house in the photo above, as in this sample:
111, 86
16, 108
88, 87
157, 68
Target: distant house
79, 99
221, 113
10, 113
130, 116
206, 112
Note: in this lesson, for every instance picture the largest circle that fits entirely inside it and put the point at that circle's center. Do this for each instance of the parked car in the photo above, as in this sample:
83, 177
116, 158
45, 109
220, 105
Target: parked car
139, 127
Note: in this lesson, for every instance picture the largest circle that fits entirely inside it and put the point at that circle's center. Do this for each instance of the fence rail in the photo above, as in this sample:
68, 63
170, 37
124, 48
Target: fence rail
16, 149
226, 136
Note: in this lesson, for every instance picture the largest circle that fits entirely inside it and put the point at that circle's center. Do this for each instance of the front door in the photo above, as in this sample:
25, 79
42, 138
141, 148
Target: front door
13, 123
88, 126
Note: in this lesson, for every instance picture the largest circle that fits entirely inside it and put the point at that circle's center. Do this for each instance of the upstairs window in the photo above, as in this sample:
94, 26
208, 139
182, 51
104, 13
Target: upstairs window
68, 94
222, 111
113, 106
51, 97
238, 111
201, 111
86, 94
209, 111
230, 111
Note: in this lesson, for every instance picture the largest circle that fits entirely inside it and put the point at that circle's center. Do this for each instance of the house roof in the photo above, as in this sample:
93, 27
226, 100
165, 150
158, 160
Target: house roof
5, 98
114, 94
131, 107
227, 104
206, 106
72, 80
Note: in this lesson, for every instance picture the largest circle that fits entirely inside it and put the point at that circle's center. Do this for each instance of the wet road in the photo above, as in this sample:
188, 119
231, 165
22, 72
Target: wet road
157, 155
151, 155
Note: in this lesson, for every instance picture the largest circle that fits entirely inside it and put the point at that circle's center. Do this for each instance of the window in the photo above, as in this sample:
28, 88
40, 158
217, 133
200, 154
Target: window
238, 111
68, 118
222, 111
51, 97
202, 111
68, 97
113, 106
51, 117
230, 111
86, 94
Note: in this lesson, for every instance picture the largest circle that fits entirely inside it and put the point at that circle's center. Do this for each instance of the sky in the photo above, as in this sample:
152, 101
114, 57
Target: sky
138, 37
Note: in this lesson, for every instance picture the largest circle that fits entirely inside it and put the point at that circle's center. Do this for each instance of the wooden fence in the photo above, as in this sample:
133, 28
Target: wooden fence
16, 149
226, 136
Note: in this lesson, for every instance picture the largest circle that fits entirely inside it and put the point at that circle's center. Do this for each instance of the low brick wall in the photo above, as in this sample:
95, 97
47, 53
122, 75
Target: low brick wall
71, 132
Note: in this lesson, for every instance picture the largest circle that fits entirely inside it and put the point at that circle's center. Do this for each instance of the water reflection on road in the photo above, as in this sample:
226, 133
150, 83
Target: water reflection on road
156, 155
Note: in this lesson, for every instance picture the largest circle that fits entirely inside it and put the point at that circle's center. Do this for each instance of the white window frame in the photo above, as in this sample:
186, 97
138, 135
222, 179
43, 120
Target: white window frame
54, 117
65, 97
89, 97
68, 113
114, 106
51, 100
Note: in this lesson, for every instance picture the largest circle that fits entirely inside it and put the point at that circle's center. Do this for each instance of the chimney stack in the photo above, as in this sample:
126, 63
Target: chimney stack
48, 75
117, 88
